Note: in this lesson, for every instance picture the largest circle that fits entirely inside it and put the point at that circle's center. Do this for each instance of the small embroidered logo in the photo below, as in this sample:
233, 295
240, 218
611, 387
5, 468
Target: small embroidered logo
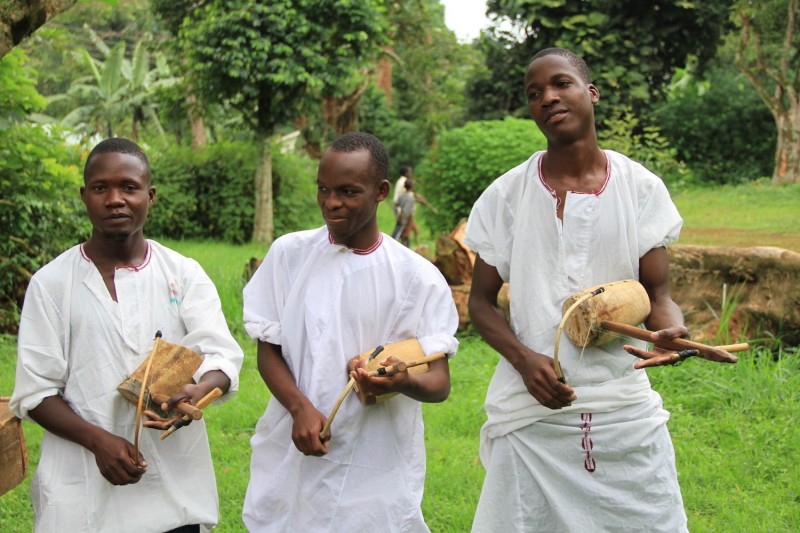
173, 293
586, 443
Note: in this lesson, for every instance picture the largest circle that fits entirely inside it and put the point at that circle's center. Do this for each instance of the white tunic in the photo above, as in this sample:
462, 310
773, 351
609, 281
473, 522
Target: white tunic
514, 227
74, 340
324, 304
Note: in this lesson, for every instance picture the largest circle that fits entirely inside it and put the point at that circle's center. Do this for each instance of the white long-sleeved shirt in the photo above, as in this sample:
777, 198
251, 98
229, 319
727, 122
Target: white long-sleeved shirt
324, 304
77, 342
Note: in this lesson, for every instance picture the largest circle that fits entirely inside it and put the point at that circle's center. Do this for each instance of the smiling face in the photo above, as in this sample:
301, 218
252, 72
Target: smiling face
560, 101
348, 195
117, 195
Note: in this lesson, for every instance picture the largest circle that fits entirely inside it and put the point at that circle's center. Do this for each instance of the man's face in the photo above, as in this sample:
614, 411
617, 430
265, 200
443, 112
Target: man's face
559, 101
117, 195
348, 196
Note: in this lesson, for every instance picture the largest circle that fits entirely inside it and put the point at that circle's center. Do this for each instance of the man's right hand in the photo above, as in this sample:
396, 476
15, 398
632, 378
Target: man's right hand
114, 458
307, 424
539, 376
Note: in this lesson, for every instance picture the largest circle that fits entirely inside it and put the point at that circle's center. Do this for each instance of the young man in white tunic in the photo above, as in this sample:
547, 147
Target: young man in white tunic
320, 298
88, 321
593, 454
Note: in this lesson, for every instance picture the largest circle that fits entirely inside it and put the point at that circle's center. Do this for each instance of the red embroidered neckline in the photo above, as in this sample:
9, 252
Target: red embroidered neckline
360, 251
596, 192
136, 268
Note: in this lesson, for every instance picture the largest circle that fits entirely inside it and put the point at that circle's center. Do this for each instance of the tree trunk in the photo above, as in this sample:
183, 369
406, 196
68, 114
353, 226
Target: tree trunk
341, 112
383, 80
263, 228
787, 151
774, 80
196, 119
20, 18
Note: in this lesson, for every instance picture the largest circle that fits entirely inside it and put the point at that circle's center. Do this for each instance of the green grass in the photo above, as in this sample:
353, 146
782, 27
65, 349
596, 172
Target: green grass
754, 214
735, 427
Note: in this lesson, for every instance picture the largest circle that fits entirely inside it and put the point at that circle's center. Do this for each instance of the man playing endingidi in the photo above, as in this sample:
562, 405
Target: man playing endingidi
320, 298
88, 321
594, 455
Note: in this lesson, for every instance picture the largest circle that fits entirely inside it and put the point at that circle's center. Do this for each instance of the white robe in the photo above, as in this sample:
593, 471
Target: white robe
75, 341
514, 227
324, 304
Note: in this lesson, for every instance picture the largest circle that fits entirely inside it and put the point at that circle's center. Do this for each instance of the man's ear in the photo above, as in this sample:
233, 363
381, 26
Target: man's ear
152, 194
383, 191
595, 93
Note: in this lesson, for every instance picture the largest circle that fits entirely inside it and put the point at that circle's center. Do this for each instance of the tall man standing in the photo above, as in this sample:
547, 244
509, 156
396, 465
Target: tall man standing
594, 455
88, 321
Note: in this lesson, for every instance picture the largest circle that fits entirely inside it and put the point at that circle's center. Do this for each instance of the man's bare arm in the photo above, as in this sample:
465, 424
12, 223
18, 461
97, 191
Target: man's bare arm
536, 369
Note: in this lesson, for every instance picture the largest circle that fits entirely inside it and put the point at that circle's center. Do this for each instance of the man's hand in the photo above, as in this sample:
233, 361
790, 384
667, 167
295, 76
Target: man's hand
539, 376
307, 424
378, 385
114, 458
190, 394
661, 356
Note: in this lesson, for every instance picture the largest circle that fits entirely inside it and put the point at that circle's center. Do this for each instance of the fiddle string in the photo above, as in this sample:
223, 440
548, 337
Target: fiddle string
580, 358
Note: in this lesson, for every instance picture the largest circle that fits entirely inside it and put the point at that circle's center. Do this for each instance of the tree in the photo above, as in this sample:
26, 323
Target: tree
422, 75
20, 18
272, 61
431, 67
768, 56
118, 89
40, 210
632, 47
494, 89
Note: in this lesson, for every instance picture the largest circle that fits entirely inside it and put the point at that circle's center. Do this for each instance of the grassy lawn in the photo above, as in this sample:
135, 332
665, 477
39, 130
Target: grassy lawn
736, 428
756, 214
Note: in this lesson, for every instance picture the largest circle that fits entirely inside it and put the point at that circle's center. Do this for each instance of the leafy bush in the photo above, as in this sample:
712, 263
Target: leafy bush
466, 160
624, 133
40, 209
207, 193
720, 128
294, 192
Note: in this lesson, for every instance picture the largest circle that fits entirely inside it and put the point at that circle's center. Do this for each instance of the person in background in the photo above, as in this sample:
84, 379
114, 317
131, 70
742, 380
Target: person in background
405, 206
88, 321
400, 185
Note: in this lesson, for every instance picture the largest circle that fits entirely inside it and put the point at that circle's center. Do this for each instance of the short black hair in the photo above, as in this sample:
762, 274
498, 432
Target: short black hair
405, 170
572, 58
117, 145
358, 140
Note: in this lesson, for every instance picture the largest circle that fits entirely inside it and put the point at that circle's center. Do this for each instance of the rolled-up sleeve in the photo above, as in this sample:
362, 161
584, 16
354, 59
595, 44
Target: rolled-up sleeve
263, 298
41, 362
658, 223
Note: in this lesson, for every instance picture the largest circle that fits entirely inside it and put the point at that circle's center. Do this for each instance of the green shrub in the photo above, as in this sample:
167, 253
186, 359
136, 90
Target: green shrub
466, 160
294, 190
624, 133
720, 128
40, 209
207, 193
